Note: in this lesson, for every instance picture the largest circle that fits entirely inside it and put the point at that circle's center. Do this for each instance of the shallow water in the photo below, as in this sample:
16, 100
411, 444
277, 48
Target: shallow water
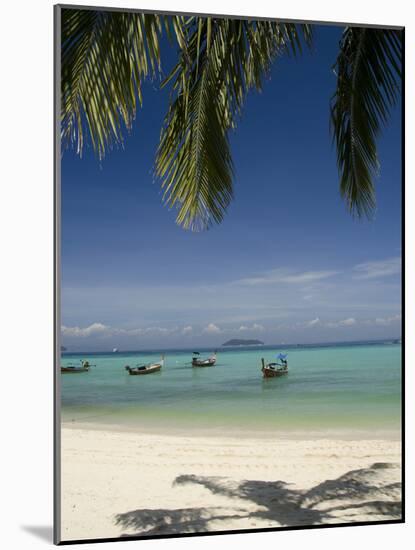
347, 387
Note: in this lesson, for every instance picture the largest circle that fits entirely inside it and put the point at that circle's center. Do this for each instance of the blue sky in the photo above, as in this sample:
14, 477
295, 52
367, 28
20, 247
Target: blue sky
287, 265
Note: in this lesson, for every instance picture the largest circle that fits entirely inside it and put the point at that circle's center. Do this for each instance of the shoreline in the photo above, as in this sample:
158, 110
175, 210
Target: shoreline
339, 434
117, 483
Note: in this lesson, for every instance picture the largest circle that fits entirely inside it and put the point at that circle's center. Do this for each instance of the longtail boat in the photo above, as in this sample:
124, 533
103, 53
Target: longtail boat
197, 361
146, 369
272, 370
75, 368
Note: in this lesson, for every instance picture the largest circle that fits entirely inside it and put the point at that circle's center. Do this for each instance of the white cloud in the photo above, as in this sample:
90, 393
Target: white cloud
141, 331
157, 330
384, 321
377, 269
187, 330
347, 322
313, 322
212, 329
350, 321
94, 329
283, 276
255, 327
99, 329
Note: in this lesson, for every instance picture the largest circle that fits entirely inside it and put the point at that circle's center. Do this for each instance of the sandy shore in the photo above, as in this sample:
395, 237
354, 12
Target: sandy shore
125, 483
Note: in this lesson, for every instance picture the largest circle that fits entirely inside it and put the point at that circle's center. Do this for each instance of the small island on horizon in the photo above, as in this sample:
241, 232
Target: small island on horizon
241, 342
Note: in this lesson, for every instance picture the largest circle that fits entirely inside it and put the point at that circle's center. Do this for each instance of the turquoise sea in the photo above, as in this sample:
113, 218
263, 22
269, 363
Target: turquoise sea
352, 388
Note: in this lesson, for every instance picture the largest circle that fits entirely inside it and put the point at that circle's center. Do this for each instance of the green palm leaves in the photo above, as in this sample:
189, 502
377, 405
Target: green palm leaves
368, 77
218, 64
107, 55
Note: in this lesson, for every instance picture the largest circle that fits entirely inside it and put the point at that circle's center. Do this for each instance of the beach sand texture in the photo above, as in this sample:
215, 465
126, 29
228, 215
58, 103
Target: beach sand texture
118, 483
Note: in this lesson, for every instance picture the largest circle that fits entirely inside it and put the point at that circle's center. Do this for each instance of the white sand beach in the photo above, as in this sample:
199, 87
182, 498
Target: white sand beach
117, 483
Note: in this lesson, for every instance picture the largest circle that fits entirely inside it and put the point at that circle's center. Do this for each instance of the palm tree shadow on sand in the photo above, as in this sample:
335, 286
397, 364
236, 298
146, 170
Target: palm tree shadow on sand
368, 494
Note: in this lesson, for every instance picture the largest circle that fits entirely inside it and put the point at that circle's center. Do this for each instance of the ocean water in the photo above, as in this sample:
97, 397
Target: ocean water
349, 388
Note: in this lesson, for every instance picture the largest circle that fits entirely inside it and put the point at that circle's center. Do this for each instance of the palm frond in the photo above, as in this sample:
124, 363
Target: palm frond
368, 71
194, 158
105, 56
220, 61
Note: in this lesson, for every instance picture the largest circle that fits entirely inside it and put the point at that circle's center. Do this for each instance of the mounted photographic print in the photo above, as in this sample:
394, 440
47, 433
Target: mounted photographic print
228, 274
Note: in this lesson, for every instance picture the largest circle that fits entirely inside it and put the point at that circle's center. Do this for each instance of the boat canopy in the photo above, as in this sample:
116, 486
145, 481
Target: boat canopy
282, 356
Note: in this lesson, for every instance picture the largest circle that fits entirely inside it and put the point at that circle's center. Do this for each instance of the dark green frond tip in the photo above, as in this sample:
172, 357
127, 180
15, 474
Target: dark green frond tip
368, 79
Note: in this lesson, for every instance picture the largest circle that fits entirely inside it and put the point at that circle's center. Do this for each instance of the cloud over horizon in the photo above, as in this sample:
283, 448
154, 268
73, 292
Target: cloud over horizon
362, 301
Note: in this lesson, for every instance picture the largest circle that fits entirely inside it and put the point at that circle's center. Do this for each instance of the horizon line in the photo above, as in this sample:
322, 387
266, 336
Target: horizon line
224, 348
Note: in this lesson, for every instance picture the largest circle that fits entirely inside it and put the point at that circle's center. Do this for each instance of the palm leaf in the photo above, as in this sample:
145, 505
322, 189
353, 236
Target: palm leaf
368, 76
105, 56
221, 61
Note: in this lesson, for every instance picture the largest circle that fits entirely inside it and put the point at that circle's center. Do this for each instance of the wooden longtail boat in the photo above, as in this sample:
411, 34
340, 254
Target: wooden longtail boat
272, 370
198, 362
74, 368
146, 369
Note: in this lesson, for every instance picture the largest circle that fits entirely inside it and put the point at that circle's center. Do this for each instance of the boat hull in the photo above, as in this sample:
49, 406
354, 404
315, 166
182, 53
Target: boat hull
268, 372
207, 363
147, 370
74, 369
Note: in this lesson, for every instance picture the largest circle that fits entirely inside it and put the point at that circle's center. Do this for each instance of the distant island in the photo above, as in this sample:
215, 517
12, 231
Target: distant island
240, 342
63, 348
